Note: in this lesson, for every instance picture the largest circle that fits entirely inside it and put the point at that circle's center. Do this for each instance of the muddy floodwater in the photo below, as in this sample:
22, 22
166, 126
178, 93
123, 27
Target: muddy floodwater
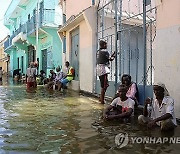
66, 122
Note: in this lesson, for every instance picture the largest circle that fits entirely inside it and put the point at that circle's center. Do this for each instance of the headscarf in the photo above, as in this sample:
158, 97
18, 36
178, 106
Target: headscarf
162, 85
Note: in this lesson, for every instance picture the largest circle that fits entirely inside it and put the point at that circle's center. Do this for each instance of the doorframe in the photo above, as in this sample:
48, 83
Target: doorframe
75, 32
42, 51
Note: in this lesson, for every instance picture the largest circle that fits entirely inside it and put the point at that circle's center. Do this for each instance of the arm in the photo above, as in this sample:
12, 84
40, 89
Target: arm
125, 114
111, 58
164, 117
132, 91
111, 106
106, 111
147, 101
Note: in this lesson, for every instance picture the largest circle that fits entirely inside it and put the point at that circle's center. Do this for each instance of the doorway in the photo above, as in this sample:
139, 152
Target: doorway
44, 60
75, 52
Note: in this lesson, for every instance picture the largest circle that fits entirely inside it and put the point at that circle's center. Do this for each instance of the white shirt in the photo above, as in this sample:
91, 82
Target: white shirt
129, 103
30, 73
167, 106
59, 76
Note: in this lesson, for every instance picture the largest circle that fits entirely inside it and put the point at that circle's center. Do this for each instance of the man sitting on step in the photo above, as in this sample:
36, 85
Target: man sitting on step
69, 76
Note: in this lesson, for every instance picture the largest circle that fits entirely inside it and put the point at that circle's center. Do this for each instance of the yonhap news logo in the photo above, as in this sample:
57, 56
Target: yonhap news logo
123, 139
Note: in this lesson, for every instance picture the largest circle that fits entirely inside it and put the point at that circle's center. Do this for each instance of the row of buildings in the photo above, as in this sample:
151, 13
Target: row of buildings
54, 31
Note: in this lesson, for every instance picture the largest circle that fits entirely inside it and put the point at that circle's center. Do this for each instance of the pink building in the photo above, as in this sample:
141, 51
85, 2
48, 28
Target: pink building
78, 33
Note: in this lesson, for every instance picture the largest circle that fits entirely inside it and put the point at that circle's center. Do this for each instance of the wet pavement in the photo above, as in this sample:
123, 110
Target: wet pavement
44, 121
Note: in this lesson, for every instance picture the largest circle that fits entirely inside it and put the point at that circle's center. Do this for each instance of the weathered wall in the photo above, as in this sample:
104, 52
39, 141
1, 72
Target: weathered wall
73, 9
87, 44
167, 50
3, 64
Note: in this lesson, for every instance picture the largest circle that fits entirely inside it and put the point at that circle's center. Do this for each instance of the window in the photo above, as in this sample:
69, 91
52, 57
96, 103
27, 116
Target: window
22, 64
18, 62
29, 17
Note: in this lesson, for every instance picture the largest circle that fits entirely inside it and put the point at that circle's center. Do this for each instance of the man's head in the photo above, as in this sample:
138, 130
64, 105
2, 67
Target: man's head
126, 79
160, 90
0, 68
51, 71
67, 64
102, 44
41, 71
58, 69
122, 91
31, 64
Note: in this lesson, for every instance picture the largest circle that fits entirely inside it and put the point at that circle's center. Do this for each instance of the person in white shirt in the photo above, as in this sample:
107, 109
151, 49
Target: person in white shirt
121, 107
162, 109
31, 76
59, 75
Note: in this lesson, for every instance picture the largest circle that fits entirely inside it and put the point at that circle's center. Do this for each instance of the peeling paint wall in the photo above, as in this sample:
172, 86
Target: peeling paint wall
87, 48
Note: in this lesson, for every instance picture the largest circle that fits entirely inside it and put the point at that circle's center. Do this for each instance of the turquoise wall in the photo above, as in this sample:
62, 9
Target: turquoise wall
53, 44
19, 54
57, 46
48, 38
12, 54
30, 6
45, 43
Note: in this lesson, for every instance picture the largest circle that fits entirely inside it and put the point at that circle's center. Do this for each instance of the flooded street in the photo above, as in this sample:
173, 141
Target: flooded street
55, 122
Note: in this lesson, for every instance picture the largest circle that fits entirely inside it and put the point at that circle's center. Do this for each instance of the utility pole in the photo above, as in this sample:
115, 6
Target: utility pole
37, 27
144, 45
116, 40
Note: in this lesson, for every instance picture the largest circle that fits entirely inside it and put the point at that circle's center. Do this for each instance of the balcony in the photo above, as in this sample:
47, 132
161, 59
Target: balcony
31, 25
47, 18
14, 10
8, 43
50, 18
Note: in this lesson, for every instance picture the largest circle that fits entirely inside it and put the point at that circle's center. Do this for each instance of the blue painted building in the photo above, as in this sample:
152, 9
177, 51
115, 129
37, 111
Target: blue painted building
24, 43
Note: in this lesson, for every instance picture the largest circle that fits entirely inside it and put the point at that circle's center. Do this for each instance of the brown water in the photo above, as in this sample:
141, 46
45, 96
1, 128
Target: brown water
55, 122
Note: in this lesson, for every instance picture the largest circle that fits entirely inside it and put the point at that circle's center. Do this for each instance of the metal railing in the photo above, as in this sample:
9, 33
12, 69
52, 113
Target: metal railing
49, 17
128, 29
31, 25
8, 42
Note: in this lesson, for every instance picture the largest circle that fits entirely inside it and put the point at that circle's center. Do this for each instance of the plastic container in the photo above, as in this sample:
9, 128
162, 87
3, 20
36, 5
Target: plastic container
149, 110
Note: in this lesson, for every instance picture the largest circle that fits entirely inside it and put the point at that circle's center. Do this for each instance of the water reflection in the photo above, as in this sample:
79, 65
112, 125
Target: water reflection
52, 122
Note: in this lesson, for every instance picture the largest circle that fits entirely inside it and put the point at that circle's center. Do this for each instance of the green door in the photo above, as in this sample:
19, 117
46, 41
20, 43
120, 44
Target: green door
75, 52
44, 60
